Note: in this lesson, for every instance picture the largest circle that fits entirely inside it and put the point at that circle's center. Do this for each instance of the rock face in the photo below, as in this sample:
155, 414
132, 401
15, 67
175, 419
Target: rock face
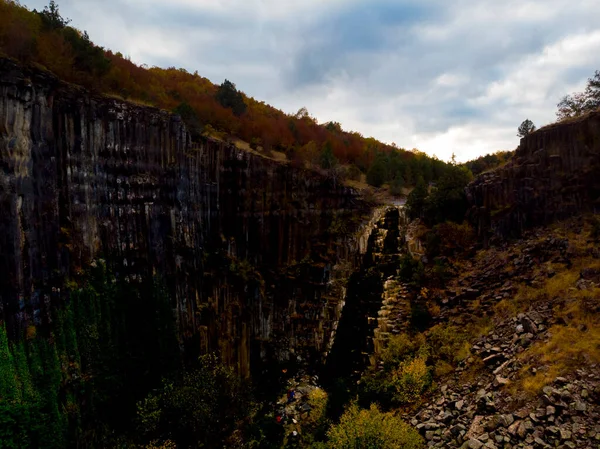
251, 250
553, 175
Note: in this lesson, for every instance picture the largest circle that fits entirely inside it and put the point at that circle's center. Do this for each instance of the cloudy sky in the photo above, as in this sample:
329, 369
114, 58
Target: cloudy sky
442, 76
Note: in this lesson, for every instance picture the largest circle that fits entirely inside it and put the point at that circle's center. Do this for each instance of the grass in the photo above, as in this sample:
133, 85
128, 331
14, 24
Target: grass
131, 100
566, 120
569, 348
573, 343
574, 339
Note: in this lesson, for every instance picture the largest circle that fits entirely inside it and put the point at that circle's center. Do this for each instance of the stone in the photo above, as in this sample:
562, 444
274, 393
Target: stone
580, 406
476, 428
565, 434
502, 381
514, 427
473, 444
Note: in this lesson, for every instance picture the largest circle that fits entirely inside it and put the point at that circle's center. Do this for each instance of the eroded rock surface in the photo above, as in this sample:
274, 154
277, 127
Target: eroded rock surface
254, 253
554, 174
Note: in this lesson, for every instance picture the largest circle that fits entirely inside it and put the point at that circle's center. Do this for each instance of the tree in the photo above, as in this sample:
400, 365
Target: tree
302, 113
525, 128
51, 17
415, 203
327, 158
592, 92
396, 185
372, 429
572, 106
377, 174
190, 118
579, 103
448, 200
229, 97
202, 409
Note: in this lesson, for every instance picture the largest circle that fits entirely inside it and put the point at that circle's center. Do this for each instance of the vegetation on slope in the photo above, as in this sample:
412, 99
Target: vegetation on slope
488, 162
46, 39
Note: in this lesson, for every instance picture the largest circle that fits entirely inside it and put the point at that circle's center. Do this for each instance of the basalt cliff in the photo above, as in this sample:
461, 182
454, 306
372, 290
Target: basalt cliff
553, 175
253, 252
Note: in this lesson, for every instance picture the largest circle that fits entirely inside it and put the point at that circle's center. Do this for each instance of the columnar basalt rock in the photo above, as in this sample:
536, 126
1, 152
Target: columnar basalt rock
251, 249
554, 174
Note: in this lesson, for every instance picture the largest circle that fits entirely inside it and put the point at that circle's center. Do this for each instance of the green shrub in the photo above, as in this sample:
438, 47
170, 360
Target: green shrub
203, 407
411, 270
410, 380
372, 429
400, 347
447, 343
354, 173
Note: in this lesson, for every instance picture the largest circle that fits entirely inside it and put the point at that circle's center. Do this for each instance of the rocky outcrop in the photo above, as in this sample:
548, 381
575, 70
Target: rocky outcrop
554, 174
484, 402
253, 252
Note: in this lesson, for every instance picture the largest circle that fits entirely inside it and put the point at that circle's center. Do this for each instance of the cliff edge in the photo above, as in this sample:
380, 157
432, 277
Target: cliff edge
554, 174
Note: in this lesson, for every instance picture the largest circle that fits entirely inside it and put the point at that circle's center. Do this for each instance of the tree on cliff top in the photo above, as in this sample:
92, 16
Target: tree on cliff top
327, 158
525, 128
580, 103
229, 97
51, 17
592, 91
572, 106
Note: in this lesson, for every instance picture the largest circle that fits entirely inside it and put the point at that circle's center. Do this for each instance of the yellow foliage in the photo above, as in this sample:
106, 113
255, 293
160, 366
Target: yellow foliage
372, 429
433, 309
317, 399
442, 368
570, 346
31, 332
401, 346
410, 380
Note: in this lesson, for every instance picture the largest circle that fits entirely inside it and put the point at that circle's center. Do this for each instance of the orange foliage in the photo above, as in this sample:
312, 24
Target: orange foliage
75, 59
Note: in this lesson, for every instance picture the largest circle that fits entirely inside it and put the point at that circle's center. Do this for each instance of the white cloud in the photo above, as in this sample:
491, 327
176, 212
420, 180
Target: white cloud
441, 76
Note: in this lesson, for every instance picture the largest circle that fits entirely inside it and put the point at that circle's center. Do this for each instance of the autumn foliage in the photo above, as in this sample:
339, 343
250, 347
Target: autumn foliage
44, 38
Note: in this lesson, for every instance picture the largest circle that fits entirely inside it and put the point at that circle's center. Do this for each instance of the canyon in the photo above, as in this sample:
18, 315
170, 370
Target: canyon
254, 253
276, 267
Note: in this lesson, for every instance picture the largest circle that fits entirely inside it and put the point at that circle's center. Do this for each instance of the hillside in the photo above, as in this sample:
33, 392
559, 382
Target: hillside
46, 40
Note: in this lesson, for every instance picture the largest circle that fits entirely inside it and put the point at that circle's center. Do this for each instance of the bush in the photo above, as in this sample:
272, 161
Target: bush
203, 407
447, 342
411, 271
396, 186
316, 423
377, 174
400, 347
405, 375
372, 429
353, 173
410, 380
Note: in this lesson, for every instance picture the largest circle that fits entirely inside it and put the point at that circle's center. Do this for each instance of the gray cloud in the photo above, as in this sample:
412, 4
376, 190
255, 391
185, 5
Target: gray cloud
444, 76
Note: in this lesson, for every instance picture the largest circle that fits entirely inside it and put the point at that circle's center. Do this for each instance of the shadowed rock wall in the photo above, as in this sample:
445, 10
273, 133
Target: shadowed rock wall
554, 173
254, 253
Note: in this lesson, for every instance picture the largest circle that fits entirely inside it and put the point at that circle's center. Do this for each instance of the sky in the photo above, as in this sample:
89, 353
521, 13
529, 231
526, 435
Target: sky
441, 76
